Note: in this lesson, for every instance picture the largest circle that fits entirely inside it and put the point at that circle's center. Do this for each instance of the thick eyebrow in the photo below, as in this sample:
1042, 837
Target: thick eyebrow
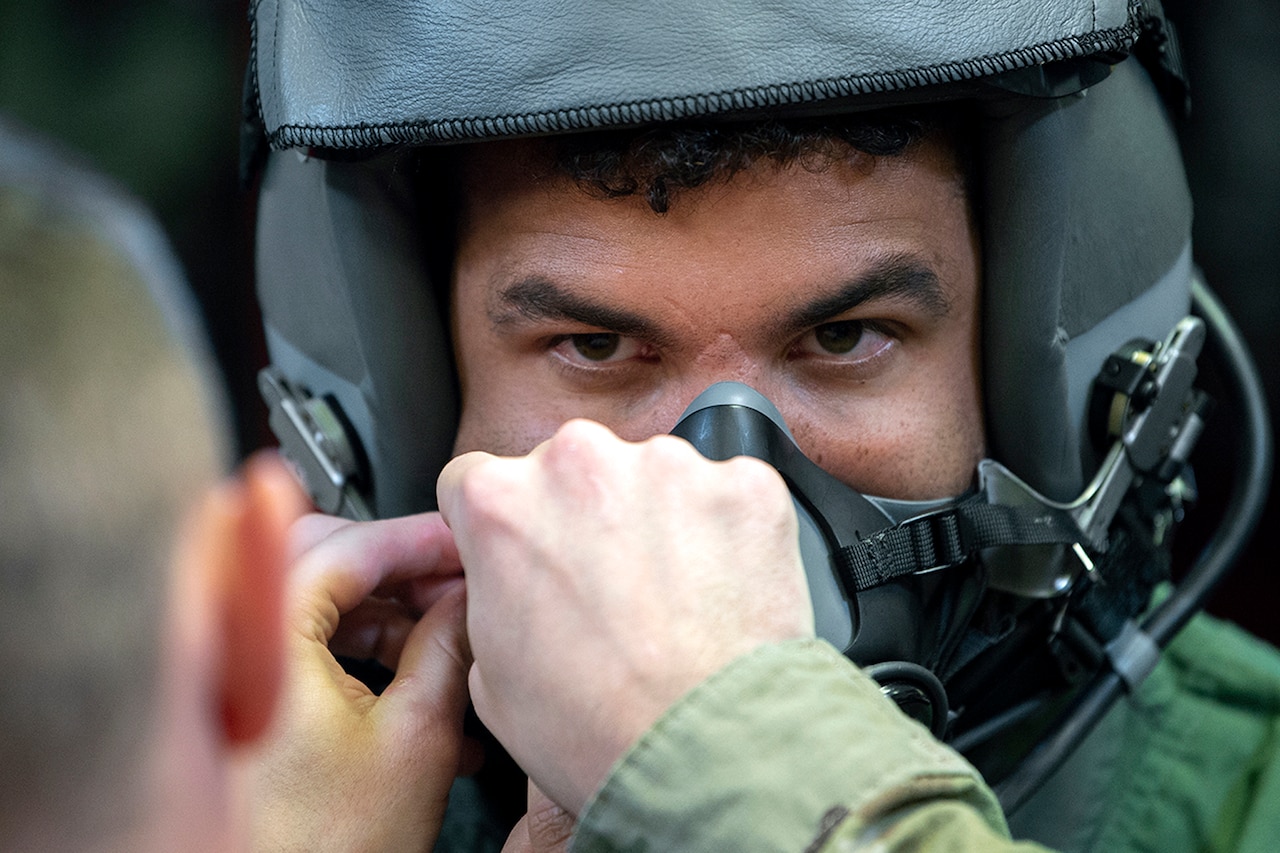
896, 277
537, 298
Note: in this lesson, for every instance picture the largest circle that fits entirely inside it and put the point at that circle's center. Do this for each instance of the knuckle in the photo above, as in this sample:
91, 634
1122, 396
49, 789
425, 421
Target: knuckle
667, 453
581, 443
582, 432
757, 479
486, 492
761, 484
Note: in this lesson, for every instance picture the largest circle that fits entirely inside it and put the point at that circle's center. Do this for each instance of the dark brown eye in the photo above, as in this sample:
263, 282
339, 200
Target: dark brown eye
839, 338
596, 346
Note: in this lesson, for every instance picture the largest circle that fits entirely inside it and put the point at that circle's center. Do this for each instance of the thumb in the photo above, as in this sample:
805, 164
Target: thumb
548, 826
430, 686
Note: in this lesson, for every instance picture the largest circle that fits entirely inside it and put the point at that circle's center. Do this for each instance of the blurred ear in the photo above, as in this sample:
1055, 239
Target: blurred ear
245, 539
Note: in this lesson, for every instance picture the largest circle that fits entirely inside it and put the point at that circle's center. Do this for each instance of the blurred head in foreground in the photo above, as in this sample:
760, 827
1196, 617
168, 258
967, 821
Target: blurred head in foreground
139, 599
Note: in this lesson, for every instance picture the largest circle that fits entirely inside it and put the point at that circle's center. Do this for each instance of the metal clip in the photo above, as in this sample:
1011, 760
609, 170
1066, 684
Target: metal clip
313, 437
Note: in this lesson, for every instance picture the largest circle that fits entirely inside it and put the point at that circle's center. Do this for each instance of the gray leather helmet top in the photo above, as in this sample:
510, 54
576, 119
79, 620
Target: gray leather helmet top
1086, 213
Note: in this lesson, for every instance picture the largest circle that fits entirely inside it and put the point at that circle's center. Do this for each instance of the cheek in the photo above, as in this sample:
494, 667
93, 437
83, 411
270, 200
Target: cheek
509, 408
944, 449
500, 416
915, 447
500, 435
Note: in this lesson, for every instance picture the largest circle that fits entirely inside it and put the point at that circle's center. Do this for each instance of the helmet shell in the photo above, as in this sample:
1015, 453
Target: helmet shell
1083, 204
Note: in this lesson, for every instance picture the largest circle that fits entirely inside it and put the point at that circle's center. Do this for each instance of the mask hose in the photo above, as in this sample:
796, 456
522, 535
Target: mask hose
1243, 510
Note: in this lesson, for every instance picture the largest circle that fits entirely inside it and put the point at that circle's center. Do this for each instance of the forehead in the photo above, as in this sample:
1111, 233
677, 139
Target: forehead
732, 282
523, 214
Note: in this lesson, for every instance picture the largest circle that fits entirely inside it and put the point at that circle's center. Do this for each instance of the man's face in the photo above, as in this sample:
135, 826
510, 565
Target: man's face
848, 296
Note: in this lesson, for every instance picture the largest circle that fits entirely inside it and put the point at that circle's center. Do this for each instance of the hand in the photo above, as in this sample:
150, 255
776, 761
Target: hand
605, 579
343, 769
545, 827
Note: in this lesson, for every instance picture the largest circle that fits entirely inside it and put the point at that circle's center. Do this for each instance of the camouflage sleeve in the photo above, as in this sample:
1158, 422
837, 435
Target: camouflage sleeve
791, 748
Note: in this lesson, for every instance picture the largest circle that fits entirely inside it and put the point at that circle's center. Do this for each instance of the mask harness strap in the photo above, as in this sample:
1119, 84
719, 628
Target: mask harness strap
1157, 418
949, 538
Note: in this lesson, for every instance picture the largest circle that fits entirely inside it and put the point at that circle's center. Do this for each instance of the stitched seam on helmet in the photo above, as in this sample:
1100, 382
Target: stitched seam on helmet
255, 67
253, 54
666, 109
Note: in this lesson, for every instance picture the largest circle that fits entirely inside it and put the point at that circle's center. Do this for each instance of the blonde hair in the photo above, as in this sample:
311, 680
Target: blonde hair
106, 435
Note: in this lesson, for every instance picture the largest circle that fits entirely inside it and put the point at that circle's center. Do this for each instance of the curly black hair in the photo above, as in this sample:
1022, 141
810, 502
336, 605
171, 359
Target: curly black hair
657, 162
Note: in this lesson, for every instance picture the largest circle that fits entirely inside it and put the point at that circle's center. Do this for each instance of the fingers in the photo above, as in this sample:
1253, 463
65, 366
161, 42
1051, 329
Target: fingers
375, 630
545, 827
550, 827
352, 560
606, 578
310, 530
385, 761
430, 688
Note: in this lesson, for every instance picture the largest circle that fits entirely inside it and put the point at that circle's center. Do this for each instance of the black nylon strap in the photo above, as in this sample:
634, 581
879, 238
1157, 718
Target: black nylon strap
948, 538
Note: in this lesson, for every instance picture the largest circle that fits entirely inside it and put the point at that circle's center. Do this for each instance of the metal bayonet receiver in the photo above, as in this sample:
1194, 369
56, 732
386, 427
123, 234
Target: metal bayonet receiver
316, 441
1154, 417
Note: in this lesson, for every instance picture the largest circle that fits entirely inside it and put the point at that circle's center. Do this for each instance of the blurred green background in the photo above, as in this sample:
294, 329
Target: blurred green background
150, 90
146, 88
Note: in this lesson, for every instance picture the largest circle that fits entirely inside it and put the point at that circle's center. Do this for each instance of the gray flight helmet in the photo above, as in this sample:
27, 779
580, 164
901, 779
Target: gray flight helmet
1085, 212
